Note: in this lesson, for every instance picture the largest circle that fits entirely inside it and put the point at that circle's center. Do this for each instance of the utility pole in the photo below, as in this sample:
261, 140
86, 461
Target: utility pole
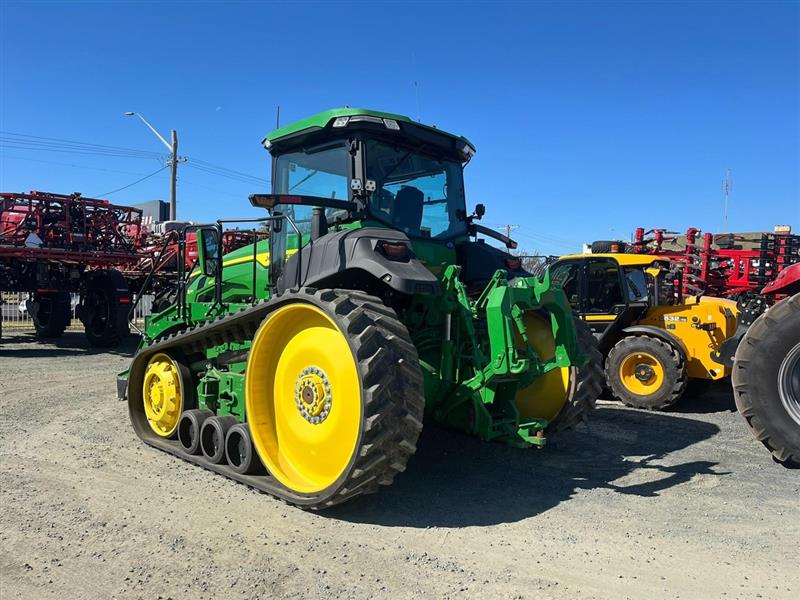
508, 227
172, 162
727, 186
173, 189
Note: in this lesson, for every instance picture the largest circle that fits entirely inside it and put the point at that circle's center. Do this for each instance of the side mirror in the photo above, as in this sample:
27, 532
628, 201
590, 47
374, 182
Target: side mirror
276, 225
480, 210
208, 251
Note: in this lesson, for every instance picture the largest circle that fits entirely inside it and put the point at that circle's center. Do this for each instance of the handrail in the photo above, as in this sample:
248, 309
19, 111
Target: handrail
181, 263
267, 220
147, 281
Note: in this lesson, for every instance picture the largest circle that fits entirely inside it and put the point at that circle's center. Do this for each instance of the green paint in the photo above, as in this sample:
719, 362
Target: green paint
325, 118
467, 340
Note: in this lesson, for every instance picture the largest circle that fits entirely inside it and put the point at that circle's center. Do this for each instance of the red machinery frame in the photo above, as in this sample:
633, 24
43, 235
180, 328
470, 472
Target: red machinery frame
69, 228
721, 270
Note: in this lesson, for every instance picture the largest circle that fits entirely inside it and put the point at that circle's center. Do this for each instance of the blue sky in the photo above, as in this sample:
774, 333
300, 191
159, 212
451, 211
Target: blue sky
589, 118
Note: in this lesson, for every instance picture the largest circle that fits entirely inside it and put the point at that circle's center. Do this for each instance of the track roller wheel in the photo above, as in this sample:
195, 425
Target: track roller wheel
766, 380
239, 450
646, 372
189, 428
212, 437
334, 395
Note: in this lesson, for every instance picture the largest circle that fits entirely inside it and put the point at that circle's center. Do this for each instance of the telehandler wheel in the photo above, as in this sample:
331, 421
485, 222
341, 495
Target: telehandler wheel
645, 372
563, 396
333, 395
51, 313
166, 393
766, 380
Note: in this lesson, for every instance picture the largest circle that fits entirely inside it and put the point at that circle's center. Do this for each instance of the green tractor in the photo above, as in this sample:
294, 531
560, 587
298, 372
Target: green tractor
304, 365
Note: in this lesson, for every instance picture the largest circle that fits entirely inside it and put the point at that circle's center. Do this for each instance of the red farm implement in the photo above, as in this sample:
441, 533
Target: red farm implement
52, 245
722, 265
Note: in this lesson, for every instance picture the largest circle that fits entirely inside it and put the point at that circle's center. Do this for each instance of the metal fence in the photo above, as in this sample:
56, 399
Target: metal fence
14, 313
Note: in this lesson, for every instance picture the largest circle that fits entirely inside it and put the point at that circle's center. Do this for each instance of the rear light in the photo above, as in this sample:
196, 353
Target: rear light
124, 300
614, 248
515, 264
393, 251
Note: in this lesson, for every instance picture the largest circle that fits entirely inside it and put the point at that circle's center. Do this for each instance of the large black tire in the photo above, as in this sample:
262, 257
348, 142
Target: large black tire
104, 309
51, 313
604, 246
672, 364
766, 380
585, 386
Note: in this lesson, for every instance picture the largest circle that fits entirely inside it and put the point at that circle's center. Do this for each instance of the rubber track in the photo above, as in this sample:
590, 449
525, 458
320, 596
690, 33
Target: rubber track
391, 379
767, 324
677, 360
588, 384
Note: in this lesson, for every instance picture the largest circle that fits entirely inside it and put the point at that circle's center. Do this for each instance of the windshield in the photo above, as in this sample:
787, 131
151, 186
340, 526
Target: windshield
318, 172
416, 193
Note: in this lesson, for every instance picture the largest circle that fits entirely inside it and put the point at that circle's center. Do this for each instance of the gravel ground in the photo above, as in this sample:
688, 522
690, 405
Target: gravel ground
667, 505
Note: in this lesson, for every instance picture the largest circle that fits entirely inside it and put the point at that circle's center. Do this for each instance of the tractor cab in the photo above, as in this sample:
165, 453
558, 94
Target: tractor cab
349, 169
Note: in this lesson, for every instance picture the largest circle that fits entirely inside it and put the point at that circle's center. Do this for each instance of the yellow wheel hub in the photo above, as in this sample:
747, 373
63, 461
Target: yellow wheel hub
303, 398
641, 373
163, 396
545, 396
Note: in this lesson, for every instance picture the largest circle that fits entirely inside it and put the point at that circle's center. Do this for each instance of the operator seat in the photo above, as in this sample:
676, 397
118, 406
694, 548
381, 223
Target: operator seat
408, 204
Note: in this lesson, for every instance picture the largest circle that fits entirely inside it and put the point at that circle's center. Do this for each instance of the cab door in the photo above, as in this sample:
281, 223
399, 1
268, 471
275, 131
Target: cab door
605, 303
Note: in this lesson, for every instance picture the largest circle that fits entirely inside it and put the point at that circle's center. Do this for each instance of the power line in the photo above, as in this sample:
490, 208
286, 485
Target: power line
232, 171
24, 141
38, 140
63, 164
249, 179
125, 187
5, 143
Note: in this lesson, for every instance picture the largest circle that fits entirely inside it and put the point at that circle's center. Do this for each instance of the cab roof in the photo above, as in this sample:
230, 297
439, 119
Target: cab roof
626, 260
299, 131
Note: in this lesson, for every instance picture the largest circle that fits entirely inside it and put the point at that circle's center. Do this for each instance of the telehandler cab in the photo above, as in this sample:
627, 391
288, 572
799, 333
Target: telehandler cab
653, 339
303, 365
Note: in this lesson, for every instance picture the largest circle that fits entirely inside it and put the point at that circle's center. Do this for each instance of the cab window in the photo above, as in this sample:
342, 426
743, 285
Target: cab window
636, 282
566, 275
603, 286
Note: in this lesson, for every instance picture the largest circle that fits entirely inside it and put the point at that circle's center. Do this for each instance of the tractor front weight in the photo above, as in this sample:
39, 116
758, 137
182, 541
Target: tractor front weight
476, 354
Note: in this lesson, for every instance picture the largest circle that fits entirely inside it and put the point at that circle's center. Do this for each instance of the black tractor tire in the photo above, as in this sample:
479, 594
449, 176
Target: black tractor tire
766, 380
586, 386
104, 309
51, 313
605, 246
672, 363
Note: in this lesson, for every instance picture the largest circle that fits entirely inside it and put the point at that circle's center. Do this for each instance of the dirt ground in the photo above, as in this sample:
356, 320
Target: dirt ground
667, 505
